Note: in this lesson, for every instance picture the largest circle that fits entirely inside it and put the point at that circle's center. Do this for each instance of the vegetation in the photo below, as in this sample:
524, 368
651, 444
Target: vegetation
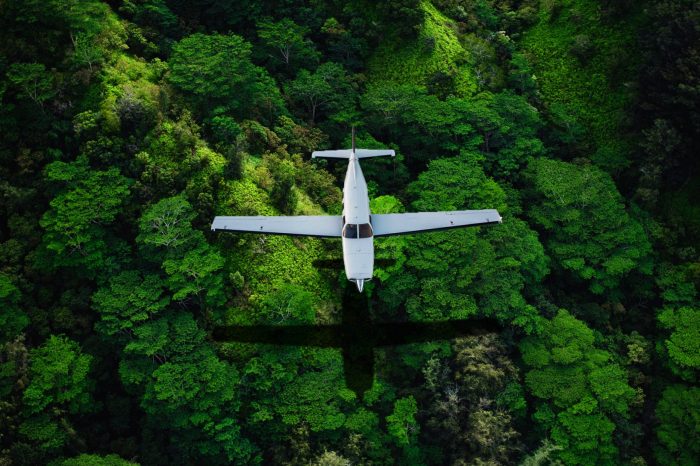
125, 126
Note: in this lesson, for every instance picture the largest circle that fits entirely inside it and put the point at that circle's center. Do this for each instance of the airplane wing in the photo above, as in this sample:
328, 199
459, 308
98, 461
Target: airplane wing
397, 224
302, 225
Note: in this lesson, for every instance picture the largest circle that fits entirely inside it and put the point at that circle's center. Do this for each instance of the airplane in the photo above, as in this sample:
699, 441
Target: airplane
358, 226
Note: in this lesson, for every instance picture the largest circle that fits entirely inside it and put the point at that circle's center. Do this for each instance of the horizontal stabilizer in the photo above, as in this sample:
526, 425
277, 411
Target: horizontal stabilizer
364, 153
346, 153
398, 224
301, 225
332, 154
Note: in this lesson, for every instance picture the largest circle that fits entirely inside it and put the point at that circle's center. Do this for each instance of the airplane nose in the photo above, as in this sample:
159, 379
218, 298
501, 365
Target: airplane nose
360, 284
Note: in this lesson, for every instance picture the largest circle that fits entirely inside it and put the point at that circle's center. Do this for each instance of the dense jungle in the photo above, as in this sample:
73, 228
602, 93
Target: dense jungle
127, 125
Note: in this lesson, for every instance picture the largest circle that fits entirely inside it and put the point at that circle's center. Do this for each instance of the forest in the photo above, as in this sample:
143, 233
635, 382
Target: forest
127, 125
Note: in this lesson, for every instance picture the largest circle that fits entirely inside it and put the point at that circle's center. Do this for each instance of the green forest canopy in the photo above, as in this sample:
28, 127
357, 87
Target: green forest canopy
127, 125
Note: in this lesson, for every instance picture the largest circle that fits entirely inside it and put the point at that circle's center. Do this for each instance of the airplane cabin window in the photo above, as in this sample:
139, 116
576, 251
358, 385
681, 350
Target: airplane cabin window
353, 230
350, 230
366, 230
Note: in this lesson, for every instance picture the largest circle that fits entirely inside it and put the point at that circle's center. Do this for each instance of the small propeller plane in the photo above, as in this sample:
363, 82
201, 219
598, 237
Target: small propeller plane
357, 226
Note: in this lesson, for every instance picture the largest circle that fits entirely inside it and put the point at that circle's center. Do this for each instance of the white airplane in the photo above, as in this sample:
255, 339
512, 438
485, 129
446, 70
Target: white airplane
357, 226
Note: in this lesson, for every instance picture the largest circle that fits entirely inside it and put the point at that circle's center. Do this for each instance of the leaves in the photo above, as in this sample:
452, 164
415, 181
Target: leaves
12, 319
286, 41
327, 89
678, 412
111, 245
167, 224
76, 224
216, 71
401, 424
683, 344
130, 300
590, 233
584, 387
32, 79
58, 377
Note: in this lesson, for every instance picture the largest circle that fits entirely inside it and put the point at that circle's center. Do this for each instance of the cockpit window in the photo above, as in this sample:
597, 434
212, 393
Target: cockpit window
353, 230
365, 230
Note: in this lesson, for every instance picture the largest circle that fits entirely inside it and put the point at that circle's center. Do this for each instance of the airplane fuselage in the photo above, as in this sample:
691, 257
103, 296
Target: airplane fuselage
358, 238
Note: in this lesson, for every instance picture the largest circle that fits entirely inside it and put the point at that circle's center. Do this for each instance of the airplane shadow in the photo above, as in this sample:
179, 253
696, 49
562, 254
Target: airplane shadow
357, 336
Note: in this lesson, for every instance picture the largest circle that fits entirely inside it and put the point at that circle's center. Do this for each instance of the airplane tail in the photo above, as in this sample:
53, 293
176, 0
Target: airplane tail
332, 154
347, 153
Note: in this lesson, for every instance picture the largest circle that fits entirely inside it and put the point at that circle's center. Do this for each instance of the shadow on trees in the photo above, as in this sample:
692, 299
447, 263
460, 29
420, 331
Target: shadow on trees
357, 335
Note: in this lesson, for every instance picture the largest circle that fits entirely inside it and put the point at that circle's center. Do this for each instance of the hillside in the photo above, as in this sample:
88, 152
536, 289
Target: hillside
130, 333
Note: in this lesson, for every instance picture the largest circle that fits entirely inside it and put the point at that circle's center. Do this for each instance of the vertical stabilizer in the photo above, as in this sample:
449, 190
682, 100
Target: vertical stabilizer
353, 139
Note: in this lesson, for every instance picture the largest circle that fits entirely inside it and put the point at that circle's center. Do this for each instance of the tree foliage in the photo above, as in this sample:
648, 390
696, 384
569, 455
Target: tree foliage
590, 233
76, 223
216, 71
683, 344
584, 386
677, 412
125, 127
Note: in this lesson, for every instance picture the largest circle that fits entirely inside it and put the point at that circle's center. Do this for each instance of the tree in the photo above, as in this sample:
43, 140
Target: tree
33, 80
196, 273
42, 29
129, 300
489, 432
344, 47
683, 344
482, 368
190, 262
542, 455
509, 128
290, 304
283, 194
581, 386
466, 420
86, 50
211, 66
313, 398
590, 233
521, 74
460, 273
401, 423
286, 39
193, 397
330, 458
678, 413
455, 183
407, 15
327, 89
58, 377
216, 71
59, 385
225, 130
12, 319
76, 223
186, 388
167, 225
